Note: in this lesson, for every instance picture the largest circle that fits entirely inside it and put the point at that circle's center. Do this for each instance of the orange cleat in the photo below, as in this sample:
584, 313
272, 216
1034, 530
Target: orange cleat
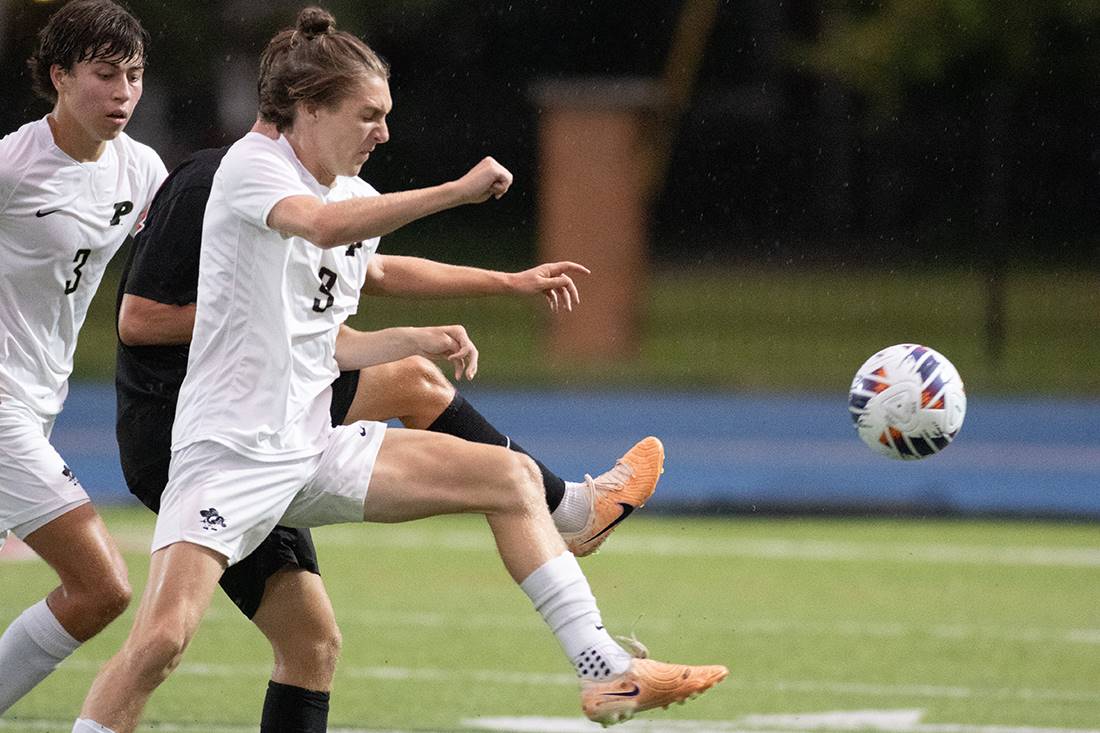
617, 493
646, 685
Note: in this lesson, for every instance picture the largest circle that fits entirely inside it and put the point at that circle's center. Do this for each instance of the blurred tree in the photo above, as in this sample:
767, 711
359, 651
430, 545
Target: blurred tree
892, 52
883, 48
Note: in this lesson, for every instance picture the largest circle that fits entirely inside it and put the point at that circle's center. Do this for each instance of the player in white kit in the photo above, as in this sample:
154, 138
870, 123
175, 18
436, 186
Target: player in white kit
72, 189
253, 444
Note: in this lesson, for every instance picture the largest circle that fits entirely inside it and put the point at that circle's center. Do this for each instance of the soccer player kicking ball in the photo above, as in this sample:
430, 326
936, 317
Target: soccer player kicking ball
281, 579
72, 188
253, 444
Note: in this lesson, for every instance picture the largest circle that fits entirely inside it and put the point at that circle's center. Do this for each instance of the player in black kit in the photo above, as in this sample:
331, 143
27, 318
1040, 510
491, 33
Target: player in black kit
280, 580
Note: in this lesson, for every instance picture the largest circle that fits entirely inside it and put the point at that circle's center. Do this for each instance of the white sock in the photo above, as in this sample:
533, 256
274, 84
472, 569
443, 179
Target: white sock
30, 649
560, 592
575, 508
84, 725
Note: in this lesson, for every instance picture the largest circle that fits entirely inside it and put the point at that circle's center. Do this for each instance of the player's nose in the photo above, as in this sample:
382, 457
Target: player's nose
123, 91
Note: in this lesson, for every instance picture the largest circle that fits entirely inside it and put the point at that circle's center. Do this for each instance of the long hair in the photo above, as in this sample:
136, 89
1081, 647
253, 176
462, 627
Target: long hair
313, 63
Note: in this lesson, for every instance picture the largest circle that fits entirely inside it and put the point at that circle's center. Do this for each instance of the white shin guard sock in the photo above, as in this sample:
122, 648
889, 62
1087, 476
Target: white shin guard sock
30, 649
560, 592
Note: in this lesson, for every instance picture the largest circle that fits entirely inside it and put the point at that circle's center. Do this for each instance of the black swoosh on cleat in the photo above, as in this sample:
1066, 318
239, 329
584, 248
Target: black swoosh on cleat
40, 213
627, 509
625, 693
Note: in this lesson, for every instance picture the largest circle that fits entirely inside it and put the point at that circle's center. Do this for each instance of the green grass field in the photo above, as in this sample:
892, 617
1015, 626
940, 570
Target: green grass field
940, 626
768, 330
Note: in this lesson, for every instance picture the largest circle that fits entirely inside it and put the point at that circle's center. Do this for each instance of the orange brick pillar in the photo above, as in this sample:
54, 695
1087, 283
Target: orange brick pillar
593, 201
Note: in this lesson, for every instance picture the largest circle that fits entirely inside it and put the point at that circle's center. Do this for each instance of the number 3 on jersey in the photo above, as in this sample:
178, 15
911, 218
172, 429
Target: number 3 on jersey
328, 279
80, 259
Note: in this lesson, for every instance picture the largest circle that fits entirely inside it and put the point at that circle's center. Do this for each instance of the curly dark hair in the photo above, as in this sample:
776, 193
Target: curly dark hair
313, 63
85, 30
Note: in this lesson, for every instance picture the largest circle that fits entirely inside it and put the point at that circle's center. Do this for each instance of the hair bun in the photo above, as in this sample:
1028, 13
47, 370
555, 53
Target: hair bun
315, 22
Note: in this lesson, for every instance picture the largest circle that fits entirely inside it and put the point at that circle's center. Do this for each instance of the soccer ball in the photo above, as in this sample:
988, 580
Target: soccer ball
907, 402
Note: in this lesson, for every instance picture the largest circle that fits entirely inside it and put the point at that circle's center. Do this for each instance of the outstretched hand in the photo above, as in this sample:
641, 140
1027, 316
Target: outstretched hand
487, 178
450, 343
554, 280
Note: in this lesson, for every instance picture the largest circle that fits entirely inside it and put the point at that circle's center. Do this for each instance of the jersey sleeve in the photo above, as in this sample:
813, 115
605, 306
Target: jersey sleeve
255, 178
165, 266
157, 174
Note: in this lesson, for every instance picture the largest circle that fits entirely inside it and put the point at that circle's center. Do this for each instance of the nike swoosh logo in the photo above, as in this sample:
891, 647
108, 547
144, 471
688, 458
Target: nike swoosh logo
625, 693
627, 509
362, 430
40, 213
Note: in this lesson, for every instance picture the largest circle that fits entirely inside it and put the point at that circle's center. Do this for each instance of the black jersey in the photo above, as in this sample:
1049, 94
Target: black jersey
163, 265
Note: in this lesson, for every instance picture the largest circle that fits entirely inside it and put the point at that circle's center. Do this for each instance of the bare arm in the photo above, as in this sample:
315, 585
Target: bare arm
359, 349
418, 277
145, 322
344, 222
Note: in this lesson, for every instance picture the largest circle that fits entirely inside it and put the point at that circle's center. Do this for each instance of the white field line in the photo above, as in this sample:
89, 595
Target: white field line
566, 679
412, 537
883, 721
760, 548
886, 721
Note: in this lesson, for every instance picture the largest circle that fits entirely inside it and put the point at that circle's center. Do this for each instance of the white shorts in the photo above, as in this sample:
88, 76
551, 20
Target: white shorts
230, 502
36, 486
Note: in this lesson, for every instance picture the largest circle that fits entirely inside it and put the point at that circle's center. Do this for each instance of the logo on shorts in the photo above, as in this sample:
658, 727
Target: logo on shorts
68, 473
211, 520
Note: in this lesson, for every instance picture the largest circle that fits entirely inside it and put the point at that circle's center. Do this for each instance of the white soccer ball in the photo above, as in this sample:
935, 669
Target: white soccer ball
907, 402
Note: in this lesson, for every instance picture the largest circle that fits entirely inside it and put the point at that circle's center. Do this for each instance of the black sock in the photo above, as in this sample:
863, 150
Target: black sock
290, 709
461, 420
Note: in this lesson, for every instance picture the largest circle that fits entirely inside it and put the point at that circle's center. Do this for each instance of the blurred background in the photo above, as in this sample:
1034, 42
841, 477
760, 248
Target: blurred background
804, 183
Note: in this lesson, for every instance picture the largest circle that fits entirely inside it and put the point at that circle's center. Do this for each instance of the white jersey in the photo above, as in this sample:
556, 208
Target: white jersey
61, 221
269, 306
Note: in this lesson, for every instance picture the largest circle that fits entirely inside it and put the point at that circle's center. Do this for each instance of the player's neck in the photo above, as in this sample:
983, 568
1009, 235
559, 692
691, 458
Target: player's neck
311, 162
72, 139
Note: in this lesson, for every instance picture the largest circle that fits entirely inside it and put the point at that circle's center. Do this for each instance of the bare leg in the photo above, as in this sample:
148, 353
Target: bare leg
421, 474
93, 592
94, 588
182, 578
296, 617
417, 393
413, 390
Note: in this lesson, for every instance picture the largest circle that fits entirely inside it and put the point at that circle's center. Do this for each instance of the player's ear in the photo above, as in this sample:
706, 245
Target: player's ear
58, 76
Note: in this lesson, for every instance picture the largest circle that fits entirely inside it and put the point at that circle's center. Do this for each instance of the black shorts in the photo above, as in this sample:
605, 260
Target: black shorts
144, 434
343, 393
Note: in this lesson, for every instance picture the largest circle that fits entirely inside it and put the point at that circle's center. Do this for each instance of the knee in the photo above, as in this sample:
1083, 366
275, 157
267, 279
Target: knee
427, 388
157, 653
524, 483
312, 654
114, 597
101, 601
